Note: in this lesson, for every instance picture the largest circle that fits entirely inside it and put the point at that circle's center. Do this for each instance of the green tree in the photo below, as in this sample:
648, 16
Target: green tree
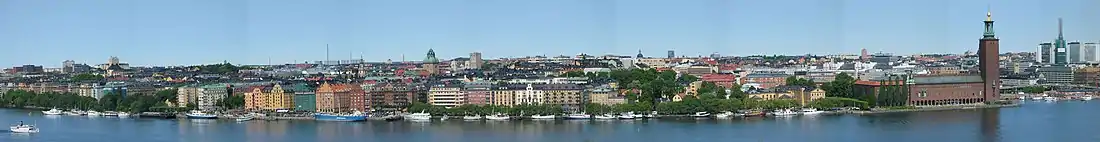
86, 77
795, 81
842, 86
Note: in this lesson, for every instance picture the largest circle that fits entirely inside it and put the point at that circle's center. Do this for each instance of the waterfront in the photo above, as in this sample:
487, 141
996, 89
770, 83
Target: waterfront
1032, 121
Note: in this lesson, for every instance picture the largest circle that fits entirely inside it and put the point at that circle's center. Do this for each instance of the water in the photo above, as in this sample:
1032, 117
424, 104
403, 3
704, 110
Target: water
1031, 122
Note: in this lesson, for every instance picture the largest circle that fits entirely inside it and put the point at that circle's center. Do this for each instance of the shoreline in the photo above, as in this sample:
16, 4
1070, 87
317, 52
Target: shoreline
301, 118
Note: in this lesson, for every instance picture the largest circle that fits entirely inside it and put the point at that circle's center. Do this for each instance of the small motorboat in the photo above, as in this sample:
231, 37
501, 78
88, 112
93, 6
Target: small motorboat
627, 116
543, 117
784, 112
52, 112
1086, 98
444, 117
605, 116
23, 128
110, 113
637, 115
724, 114
498, 117
73, 113
701, 114
420, 116
94, 113
1037, 98
196, 114
245, 118
578, 116
475, 117
811, 111
1050, 98
124, 114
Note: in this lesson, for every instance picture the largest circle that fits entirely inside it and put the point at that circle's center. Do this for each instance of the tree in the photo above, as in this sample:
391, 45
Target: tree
842, 86
795, 81
231, 102
86, 77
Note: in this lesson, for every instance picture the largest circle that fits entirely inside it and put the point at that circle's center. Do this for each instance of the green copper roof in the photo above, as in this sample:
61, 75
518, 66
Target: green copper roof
989, 34
431, 57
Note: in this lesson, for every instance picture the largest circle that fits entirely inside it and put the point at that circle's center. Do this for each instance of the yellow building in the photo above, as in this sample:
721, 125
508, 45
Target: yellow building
804, 95
268, 98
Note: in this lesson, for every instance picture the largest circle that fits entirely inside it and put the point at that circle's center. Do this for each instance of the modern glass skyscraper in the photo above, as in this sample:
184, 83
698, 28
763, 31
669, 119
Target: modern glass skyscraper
1046, 53
1075, 52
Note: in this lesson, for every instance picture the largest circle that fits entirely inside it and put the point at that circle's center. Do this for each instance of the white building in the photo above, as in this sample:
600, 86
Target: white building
529, 96
446, 96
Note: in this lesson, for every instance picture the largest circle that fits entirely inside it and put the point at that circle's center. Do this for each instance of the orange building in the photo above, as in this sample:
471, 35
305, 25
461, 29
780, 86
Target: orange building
334, 98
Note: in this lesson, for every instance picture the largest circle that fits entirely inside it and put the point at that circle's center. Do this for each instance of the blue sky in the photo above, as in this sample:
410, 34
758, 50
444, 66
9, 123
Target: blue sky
186, 32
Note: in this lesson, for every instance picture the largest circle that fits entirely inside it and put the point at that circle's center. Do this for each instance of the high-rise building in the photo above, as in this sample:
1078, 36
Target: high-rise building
671, 54
1046, 53
988, 61
1088, 52
447, 95
1060, 55
67, 66
1074, 52
475, 61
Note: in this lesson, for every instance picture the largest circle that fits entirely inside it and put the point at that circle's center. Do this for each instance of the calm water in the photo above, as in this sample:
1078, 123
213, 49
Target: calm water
1032, 122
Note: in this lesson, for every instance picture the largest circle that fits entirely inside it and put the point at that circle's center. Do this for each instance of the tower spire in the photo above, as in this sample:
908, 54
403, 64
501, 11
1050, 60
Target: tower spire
989, 34
1059, 28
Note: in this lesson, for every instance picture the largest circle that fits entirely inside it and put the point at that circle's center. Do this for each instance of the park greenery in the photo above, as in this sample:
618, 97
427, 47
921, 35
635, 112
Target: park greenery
86, 77
112, 101
795, 81
223, 68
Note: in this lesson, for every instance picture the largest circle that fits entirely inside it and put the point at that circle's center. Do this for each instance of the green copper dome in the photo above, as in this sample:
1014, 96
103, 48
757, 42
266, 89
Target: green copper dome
431, 57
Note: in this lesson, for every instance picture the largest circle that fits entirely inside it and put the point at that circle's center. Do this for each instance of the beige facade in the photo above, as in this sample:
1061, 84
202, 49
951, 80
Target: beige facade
262, 98
503, 97
446, 96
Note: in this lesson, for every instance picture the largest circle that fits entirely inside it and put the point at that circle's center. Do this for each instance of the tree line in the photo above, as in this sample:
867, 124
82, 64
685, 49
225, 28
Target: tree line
112, 101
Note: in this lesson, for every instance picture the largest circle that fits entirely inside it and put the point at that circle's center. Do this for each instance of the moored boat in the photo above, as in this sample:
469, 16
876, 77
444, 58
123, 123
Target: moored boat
421, 116
498, 117
578, 116
811, 111
196, 114
1050, 98
73, 113
724, 114
244, 118
475, 117
784, 112
605, 116
627, 115
543, 117
701, 114
52, 112
109, 113
124, 114
93, 113
355, 116
1086, 97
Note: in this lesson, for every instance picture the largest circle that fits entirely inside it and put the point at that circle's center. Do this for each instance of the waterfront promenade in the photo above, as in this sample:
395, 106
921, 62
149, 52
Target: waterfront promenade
1031, 121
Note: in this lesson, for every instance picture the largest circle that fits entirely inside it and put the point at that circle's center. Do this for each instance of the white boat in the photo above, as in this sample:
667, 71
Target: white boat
578, 116
475, 117
811, 111
605, 116
245, 118
1050, 98
724, 114
784, 112
543, 117
419, 116
627, 115
124, 114
445, 117
52, 112
196, 114
1022, 98
1086, 98
73, 113
498, 117
701, 114
110, 113
93, 113
1037, 98
23, 128
637, 115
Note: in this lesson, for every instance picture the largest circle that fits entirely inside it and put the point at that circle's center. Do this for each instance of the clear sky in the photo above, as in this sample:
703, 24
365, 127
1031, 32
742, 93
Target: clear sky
187, 32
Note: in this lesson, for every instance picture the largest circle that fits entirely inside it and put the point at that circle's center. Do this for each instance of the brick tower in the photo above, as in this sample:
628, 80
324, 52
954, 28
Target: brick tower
988, 54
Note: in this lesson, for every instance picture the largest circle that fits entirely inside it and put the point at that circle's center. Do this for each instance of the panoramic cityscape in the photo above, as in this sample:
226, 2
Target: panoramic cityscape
991, 91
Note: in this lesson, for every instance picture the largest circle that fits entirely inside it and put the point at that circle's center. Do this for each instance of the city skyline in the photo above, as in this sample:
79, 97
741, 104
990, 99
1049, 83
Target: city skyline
249, 32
